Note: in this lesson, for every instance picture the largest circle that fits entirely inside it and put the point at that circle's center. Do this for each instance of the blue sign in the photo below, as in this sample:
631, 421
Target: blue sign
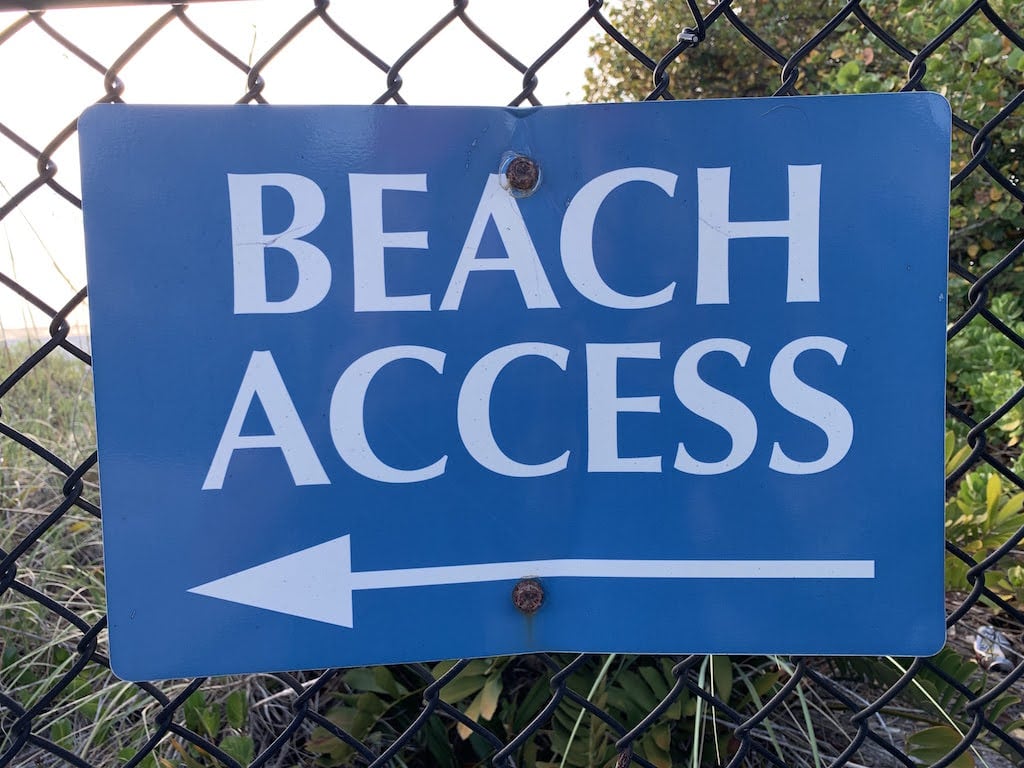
360, 371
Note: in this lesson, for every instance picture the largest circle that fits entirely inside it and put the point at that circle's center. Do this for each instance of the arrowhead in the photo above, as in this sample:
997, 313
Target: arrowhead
313, 583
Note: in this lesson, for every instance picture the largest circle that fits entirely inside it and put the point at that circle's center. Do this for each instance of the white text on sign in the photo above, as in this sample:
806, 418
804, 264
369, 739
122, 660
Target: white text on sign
263, 380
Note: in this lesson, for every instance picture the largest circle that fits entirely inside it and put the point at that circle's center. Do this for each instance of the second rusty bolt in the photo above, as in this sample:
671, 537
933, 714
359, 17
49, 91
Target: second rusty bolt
528, 596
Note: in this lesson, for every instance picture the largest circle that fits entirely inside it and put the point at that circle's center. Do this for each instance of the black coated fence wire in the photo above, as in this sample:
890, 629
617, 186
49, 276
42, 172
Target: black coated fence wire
959, 709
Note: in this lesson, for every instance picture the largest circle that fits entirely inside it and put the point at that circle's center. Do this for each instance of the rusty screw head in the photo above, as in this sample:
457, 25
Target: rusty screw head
522, 175
528, 596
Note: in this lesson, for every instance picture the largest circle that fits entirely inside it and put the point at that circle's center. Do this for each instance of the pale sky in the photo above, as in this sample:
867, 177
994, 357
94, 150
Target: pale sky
43, 88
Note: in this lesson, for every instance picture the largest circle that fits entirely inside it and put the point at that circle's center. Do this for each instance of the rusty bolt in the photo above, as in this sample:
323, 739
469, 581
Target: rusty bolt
522, 173
528, 596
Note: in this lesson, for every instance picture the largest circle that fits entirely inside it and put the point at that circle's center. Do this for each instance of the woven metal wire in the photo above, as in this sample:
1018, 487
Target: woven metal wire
60, 705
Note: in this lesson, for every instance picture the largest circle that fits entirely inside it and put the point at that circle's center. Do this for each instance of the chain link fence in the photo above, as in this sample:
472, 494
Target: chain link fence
59, 703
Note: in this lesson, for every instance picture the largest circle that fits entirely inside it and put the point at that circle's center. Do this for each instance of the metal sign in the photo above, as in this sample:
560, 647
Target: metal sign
383, 384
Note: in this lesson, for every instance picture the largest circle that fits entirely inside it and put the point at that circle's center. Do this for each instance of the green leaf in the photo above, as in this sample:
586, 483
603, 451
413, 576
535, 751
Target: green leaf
721, 673
662, 736
473, 713
637, 689
758, 687
360, 719
490, 696
323, 742
127, 753
531, 704
1016, 725
993, 490
239, 747
438, 744
1000, 705
565, 716
194, 706
188, 760
975, 49
930, 745
210, 719
60, 733
366, 679
654, 678
386, 680
1012, 507
442, 667
992, 47
370, 703
766, 682
477, 667
656, 746
234, 708
848, 73
462, 687
90, 709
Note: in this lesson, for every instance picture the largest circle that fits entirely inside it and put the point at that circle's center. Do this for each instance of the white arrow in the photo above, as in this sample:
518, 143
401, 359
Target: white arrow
317, 583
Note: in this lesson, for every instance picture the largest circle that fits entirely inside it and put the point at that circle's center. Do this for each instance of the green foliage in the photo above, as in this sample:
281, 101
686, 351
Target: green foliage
930, 745
95, 716
505, 694
375, 704
724, 64
981, 516
939, 705
219, 722
52, 405
985, 367
374, 708
628, 692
